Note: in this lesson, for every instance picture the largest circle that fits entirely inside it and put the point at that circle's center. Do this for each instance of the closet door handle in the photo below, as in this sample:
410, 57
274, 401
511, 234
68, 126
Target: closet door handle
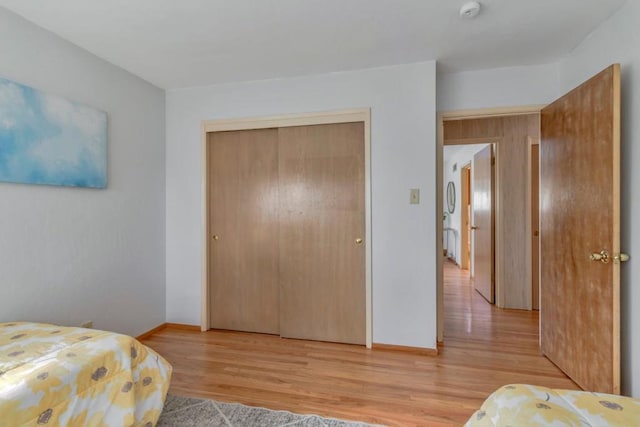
358, 241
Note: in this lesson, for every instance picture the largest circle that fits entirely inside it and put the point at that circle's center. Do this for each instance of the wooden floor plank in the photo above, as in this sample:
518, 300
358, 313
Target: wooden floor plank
484, 348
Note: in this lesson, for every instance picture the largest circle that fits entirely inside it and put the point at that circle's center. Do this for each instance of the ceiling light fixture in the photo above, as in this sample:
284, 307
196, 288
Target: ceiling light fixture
470, 10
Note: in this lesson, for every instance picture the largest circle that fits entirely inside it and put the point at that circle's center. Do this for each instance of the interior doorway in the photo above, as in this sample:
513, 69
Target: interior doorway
573, 133
509, 130
469, 228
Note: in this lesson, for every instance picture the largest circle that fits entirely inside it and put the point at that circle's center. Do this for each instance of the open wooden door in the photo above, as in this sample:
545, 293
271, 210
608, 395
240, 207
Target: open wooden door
580, 232
465, 218
483, 224
535, 225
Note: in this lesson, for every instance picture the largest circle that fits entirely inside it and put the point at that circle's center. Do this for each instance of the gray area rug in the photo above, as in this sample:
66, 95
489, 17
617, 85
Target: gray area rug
187, 411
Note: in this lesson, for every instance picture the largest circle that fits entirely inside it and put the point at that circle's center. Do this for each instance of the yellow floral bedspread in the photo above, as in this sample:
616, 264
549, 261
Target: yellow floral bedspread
59, 376
526, 405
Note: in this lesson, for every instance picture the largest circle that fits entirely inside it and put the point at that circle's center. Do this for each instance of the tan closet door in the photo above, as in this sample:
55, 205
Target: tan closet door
483, 224
580, 232
322, 219
244, 228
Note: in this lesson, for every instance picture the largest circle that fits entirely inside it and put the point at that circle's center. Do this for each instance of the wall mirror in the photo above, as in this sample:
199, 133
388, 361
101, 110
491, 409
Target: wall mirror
451, 197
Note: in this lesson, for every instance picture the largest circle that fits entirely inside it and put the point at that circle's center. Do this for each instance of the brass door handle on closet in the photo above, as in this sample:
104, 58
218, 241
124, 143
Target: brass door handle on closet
215, 237
358, 241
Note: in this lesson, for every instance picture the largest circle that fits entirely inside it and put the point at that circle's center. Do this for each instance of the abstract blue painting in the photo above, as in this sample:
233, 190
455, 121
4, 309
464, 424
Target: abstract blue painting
47, 139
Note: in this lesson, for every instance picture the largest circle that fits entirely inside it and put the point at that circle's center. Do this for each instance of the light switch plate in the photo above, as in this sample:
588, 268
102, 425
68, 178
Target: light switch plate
414, 196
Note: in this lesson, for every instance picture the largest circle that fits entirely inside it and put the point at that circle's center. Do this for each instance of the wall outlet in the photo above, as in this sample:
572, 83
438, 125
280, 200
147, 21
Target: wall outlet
414, 196
88, 324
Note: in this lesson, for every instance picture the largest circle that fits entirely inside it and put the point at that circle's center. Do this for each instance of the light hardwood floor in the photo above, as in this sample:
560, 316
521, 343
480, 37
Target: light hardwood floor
484, 348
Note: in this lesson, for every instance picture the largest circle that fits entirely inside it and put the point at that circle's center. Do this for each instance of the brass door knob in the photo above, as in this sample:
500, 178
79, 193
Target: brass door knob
358, 241
603, 257
215, 237
621, 258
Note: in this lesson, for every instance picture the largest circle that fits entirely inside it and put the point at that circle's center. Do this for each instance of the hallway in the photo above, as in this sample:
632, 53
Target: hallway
503, 344
469, 317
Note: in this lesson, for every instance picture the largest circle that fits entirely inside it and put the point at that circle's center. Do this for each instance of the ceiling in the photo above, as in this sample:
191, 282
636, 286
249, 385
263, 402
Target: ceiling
175, 44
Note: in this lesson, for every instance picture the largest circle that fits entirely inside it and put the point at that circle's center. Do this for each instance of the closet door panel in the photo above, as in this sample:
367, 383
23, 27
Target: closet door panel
244, 226
322, 227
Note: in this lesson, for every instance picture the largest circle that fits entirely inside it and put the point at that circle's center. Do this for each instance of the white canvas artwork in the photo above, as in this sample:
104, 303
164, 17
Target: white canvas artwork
47, 139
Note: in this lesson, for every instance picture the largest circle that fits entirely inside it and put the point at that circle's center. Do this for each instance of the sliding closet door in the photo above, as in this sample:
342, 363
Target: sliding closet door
244, 276
322, 226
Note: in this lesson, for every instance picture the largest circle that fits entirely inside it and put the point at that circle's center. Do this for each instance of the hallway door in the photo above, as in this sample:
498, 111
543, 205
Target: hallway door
535, 225
465, 221
483, 224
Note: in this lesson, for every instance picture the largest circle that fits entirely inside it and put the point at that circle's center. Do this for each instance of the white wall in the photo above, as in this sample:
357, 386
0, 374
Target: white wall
68, 254
618, 41
513, 86
462, 156
402, 101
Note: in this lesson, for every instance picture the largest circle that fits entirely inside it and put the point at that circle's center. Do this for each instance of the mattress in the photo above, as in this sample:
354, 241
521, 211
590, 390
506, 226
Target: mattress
526, 405
61, 376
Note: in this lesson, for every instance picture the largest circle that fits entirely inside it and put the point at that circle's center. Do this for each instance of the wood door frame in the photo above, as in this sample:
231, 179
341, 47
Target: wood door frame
529, 226
461, 115
302, 119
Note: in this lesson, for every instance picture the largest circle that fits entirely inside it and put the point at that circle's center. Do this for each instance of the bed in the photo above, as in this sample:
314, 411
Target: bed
61, 376
527, 405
